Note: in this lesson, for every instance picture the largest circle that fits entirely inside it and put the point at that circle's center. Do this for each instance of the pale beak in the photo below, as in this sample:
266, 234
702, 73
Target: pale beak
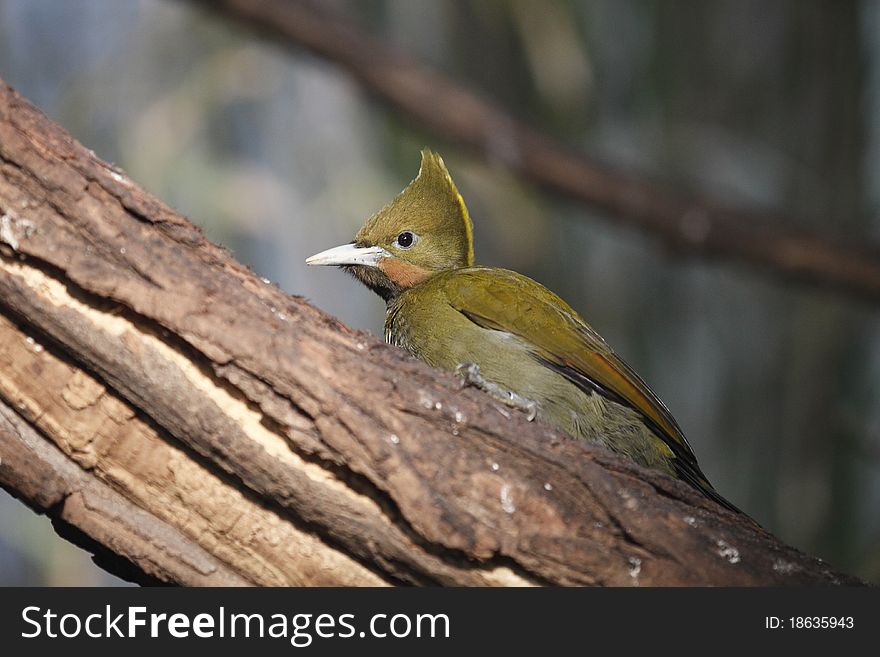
349, 254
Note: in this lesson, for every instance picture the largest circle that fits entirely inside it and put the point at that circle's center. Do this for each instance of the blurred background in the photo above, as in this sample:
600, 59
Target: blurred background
766, 105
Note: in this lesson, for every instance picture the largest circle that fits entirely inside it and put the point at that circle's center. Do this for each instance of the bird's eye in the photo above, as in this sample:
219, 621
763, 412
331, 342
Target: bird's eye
405, 240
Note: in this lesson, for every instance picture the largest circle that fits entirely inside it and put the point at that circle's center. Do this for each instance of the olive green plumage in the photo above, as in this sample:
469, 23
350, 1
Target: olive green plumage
417, 254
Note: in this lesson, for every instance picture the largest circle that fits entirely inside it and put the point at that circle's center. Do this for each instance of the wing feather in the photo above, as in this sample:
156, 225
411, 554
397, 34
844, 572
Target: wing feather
562, 340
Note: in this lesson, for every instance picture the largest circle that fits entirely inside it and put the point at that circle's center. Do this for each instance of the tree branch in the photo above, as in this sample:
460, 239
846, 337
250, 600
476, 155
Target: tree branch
691, 226
204, 427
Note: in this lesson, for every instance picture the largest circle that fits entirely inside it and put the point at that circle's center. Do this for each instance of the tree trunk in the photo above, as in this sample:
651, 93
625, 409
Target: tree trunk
194, 424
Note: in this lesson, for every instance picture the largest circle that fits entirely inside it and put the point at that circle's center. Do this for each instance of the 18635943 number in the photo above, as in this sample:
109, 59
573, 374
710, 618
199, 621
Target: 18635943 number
810, 622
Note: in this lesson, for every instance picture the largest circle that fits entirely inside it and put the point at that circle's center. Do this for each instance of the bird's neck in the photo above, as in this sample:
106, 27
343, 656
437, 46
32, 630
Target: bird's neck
390, 282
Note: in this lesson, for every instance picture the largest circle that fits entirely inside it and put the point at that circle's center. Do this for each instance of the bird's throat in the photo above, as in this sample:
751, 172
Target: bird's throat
403, 274
391, 278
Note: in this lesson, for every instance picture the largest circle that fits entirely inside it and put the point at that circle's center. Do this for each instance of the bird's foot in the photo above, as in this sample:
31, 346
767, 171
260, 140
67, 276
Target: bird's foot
471, 376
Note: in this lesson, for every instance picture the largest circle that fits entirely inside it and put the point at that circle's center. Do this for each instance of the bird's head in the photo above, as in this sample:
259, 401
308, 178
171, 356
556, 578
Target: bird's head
424, 230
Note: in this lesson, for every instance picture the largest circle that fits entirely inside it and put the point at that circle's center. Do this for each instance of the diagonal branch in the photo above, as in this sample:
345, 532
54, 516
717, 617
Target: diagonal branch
692, 226
201, 426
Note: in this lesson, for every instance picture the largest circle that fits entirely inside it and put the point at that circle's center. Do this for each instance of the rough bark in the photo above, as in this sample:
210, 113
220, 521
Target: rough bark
196, 423
691, 226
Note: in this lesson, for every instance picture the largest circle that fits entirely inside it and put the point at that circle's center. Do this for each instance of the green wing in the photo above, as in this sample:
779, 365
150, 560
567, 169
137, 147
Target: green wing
503, 300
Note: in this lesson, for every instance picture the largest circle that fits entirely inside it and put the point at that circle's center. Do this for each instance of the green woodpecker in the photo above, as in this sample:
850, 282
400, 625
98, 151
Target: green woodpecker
503, 331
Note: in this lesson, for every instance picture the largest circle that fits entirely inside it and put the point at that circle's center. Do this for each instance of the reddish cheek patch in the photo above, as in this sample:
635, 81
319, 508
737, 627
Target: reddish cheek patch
403, 274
